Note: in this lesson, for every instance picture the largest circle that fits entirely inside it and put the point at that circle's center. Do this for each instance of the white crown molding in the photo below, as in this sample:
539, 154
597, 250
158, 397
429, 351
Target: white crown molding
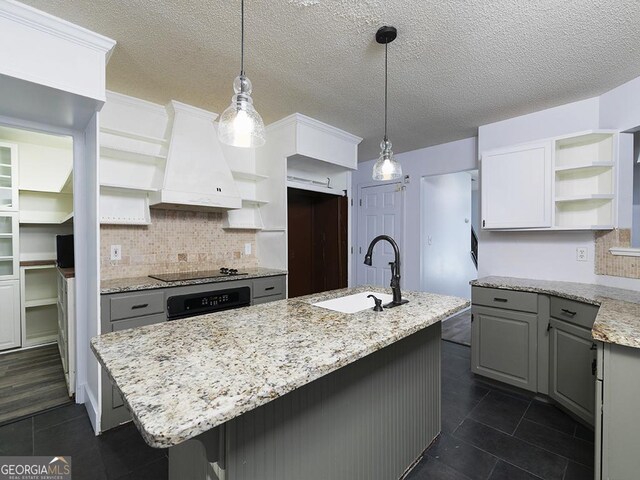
191, 110
299, 118
51, 25
135, 102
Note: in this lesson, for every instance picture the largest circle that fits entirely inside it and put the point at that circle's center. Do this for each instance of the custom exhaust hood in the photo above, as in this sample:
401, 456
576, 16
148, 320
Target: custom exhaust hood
196, 175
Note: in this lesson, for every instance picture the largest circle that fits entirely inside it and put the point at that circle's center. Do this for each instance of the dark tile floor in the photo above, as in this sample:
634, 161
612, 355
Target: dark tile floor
457, 329
489, 433
118, 454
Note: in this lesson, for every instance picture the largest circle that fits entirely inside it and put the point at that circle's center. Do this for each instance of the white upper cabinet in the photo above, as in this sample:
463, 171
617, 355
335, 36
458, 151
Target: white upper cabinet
8, 177
561, 183
516, 187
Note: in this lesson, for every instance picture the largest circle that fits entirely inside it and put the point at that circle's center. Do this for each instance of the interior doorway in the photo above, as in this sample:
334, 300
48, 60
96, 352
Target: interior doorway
450, 216
317, 241
37, 337
380, 212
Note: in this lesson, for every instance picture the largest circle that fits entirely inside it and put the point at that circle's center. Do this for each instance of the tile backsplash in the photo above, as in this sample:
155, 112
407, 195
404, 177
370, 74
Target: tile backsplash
176, 241
615, 265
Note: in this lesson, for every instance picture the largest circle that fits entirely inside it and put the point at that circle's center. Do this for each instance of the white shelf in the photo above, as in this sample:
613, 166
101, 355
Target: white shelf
584, 198
40, 303
5, 257
586, 165
127, 187
254, 201
134, 136
251, 177
6, 235
131, 154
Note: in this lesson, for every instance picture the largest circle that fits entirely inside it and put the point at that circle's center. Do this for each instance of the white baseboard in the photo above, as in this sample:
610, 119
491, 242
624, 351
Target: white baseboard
92, 406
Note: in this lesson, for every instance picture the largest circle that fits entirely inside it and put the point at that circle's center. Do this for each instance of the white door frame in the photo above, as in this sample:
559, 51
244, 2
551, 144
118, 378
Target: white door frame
84, 188
357, 257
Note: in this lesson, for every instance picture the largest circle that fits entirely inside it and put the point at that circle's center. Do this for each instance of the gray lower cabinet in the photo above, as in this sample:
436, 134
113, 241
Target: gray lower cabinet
503, 346
617, 413
573, 369
572, 356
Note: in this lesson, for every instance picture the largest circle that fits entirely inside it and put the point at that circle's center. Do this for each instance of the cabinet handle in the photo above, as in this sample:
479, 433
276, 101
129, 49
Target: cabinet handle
269, 288
549, 327
498, 299
568, 312
594, 367
593, 346
472, 317
142, 305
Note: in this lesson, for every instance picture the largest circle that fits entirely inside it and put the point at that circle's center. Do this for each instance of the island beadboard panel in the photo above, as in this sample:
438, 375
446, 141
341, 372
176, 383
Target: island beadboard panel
176, 241
609, 264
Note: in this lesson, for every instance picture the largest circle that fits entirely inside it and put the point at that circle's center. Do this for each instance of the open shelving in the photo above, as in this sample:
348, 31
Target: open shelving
39, 288
584, 181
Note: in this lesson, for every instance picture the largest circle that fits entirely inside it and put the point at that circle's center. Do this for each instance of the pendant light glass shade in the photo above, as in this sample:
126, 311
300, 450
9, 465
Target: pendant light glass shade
240, 124
386, 167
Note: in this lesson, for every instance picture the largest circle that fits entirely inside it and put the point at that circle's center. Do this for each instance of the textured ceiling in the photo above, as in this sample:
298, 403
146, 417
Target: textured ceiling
456, 64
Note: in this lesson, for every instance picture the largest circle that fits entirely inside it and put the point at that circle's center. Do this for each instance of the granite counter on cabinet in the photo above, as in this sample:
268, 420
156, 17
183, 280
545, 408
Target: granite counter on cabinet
133, 284
618, 319
183, 378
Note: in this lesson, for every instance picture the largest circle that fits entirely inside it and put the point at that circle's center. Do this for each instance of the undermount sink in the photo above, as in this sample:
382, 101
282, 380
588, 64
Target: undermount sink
354, 303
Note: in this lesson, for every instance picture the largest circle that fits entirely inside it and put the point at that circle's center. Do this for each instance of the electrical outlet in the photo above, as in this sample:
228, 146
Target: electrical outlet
581, 254
116, 252
247, 249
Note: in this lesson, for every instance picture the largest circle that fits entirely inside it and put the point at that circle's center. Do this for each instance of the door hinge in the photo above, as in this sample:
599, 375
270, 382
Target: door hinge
483, 223
352, 202
472, 317
359, 249
351, 250
360, 202
548, 326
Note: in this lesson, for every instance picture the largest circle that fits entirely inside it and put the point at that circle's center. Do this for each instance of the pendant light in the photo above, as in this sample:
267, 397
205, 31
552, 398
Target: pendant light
386, 167
240, 124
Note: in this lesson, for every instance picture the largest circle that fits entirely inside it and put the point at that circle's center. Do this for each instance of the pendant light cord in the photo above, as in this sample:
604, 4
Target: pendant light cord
386, 47
242, 37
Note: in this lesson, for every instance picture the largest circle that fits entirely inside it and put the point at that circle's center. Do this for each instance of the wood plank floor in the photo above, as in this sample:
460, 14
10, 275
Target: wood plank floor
457, 329
31, 381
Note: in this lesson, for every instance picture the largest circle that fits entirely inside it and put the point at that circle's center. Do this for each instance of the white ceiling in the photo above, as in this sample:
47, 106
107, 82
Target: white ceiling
456, 64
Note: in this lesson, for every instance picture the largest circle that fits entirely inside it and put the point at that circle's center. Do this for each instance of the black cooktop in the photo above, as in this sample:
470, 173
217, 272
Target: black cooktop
198, 275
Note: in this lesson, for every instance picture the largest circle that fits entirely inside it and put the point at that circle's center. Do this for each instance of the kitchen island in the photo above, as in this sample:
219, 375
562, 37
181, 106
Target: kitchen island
286, 390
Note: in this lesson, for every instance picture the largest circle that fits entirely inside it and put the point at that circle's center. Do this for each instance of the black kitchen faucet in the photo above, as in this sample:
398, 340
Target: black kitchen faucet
395, 269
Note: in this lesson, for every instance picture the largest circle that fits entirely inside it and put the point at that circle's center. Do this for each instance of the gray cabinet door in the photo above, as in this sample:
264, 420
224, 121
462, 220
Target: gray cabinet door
572, 374
504, 345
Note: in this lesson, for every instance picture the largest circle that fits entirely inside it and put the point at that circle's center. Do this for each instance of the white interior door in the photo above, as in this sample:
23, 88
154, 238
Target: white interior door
380, 211
447, 266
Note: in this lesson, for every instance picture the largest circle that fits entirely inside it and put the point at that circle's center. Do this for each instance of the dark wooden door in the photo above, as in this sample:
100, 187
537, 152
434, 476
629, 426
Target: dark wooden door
317, 227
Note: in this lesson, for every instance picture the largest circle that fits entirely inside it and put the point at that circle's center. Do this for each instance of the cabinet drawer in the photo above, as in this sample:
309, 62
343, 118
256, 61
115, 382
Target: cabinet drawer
268, 286
508, 299
272, 298
136, 305
581, 314
138, 322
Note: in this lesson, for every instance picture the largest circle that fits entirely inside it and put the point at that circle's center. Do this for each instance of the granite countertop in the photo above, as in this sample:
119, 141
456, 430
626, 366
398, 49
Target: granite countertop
618, 319
185, 377
132, 284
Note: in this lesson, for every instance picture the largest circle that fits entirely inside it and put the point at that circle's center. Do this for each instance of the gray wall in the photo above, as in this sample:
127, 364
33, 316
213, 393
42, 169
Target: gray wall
635, 233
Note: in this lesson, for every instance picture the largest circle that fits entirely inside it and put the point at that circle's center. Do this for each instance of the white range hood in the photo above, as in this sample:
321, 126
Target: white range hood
196, 175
